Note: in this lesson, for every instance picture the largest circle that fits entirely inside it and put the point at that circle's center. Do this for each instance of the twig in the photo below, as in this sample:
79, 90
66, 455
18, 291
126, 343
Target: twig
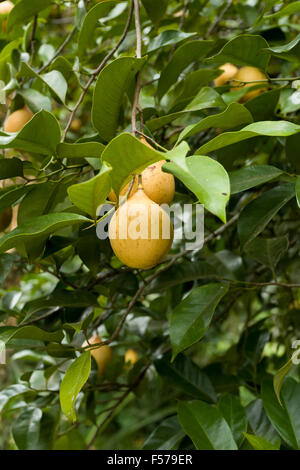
98, 70
217, 20
60, 49
151, 140
136, 106
32, 36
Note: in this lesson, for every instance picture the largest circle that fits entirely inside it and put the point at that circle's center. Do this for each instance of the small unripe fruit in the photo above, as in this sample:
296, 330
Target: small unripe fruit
229, 70
131, 357
17, 120
102, 355
76, 125
140, 232
5, 219
249, 74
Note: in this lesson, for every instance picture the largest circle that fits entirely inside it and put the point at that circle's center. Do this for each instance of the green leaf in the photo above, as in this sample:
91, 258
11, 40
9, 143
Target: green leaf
167, 435
11, 392
267, 128
41, 226
285, 418
54, 80
251, 176
205, 425
73, 381
259, 443
26, 429
234, 115
91, 21
185, 375
35, 100
9, 168
84, 150
289, 51
245, 49
7, 333
268, 251
168, 38
155, 9
40, 135
260, 424
206, 178
184, 56
256, 215
279, 377
191, 318
24, 10
89, 195
11, 194
235, 415
110, 87
285, 11
128, 155
205, 99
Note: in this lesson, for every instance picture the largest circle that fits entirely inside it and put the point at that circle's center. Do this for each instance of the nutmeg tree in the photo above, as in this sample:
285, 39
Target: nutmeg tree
120, 344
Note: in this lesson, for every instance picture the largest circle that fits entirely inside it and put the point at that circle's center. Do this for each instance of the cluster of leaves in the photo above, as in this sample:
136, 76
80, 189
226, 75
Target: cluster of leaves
74, 65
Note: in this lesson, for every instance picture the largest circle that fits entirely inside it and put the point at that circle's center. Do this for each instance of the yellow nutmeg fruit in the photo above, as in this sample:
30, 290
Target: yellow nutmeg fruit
5, 9
102, 355
249, 74
131, 357
18, 119
229, 70
140, 232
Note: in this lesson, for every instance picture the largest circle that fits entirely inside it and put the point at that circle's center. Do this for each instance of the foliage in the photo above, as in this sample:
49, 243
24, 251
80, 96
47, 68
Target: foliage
211, 326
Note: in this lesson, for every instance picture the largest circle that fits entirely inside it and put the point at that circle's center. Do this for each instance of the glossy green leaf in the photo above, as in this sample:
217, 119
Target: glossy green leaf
206, 98
192, 316
9, 393
24, 10
73, 381
285, 418
266, 128
10, 167
41, 226
11, 194
285, 11
110, 87
8, 333
245, 49
26, 429
206, 178
168, 38
185, 375
280, 376
167, 435
235, 416
89, 195
289, 51
35, 100
189, 52
256, 215
251, 176
205, 425
268, 251
234, 115
91, 21
80, 150
40, 135
259, 443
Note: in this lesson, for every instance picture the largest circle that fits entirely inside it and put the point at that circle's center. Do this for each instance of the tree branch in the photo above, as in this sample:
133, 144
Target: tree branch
136, 106
59, 50
98, 70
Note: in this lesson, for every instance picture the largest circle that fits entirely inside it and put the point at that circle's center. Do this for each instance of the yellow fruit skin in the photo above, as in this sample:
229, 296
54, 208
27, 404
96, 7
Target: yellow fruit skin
131, 357
102, 355
229, 70
158, 185
76, 125
140, 250
5, 219
17, 120
6, 7
249, 74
